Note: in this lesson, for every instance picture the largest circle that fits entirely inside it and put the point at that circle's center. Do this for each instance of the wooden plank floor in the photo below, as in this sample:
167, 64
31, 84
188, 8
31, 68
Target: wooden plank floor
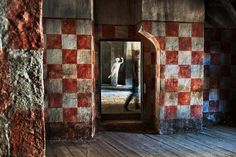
216, 141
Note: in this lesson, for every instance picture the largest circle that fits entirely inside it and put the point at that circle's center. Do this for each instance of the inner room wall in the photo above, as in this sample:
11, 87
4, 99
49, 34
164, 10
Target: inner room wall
68, 68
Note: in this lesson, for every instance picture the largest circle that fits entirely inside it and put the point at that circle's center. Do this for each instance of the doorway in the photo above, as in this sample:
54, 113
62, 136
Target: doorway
121, 80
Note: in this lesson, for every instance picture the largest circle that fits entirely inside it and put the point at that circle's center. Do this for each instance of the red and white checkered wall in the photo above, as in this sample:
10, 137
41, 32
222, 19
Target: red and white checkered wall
219, 71
182, 51
68, 70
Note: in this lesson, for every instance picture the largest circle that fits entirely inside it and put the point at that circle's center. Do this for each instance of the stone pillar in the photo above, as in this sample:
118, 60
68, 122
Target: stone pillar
21, 87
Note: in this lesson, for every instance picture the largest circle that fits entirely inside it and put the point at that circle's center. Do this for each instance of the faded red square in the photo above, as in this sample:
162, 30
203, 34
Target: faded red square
171, 85
206, 70
184, 98
215, 58
69, 85
233, 59
171, 57
224, 94
162, 99
207, 47
196, 84
170, 112
197, 57
215, 35
162, 42
213, 106
53, 41
196, 111
214, 82
197, 30
84, 42
184, 71
162, 71
84, 71
225, 47
69, 26
147, 26
69, 56
172, 29
70, 114
54, 100
54, 71
225, 70
108, 31
185, 43
206, 94
84, 99
233, 82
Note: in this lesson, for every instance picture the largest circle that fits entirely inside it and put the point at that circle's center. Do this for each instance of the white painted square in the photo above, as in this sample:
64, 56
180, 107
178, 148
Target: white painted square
197, 71
183, 112
54, 56
214, 70
171, 71
162, 112
215, 47
55, 115
44, 71
84, 114
207, 59
185, 30
184, 85
69, 41
121, 31
159, 29
163, 58
83, 27
69, 71
55, 86
233, 71
84, 57
53, 26
225, 59
223, 105
70, 100
205, 106
197, 44
162, 84
84, 86
196, 98
172, 43
184, 57
171, 98
213, 94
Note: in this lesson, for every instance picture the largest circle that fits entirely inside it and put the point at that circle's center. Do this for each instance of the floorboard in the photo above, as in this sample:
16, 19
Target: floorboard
217, 141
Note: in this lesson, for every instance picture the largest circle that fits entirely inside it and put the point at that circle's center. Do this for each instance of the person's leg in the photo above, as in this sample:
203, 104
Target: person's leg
127, 101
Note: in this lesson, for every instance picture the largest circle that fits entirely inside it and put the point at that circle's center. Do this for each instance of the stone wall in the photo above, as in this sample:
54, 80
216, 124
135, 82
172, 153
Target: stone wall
21, 70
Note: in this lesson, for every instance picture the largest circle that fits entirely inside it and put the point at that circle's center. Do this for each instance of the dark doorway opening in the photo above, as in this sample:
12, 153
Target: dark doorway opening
121, 82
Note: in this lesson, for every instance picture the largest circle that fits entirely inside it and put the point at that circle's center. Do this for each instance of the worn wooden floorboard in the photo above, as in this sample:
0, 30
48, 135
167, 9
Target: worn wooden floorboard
211, 142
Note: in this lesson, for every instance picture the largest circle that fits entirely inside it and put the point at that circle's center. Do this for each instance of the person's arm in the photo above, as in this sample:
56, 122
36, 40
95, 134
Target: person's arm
122, 60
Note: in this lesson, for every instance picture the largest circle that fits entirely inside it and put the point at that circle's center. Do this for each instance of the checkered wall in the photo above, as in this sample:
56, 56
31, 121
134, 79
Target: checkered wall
68, 70
219, 72
182, 51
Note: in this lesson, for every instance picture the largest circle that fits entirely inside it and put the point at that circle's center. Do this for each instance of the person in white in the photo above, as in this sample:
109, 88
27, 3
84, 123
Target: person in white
115, 71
